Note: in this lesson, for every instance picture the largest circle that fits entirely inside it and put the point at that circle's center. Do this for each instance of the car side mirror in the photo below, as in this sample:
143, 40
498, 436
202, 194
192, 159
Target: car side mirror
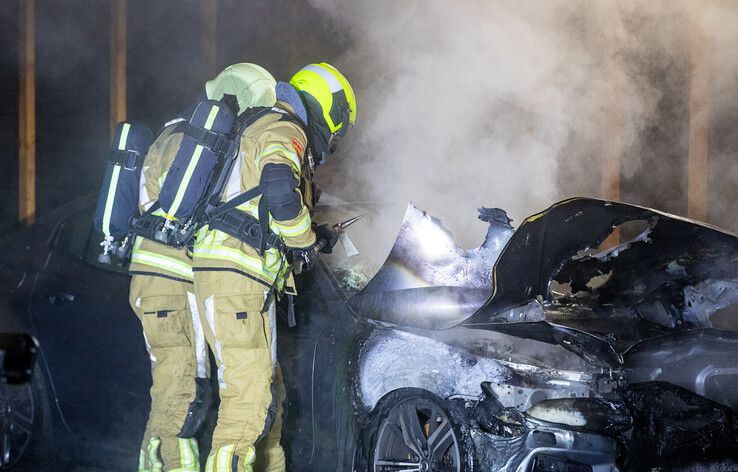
17, 357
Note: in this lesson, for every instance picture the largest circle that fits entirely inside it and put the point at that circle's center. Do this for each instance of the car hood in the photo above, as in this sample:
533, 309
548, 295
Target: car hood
673, 273
427, 281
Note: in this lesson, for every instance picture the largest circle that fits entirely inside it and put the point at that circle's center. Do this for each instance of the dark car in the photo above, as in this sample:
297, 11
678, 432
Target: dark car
537, 351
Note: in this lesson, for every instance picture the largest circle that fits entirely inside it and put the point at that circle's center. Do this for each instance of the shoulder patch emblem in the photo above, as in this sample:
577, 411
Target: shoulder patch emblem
297, 146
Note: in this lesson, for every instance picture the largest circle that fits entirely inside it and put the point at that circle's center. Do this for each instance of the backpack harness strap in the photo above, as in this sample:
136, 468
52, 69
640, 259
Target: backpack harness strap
129, 159
219, 143
245, 227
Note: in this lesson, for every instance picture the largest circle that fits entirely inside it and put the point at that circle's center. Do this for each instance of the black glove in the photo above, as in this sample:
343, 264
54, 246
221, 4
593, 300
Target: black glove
307, 255
326, 233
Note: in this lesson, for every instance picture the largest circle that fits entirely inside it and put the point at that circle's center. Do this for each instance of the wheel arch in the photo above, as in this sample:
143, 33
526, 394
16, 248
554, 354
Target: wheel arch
391, 360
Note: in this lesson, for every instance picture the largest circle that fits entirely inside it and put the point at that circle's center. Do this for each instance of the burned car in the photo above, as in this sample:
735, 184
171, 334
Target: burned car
543, 349
561, 354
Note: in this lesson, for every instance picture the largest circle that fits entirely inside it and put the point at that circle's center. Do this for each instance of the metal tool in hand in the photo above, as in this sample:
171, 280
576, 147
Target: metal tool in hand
340, 230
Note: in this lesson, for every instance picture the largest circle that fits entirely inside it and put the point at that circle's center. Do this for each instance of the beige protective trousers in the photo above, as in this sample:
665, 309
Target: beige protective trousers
164, 307
243, 341
172, 322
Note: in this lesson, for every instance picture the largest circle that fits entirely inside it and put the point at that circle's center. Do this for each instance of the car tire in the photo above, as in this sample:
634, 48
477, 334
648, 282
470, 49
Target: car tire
26, 430
413, 429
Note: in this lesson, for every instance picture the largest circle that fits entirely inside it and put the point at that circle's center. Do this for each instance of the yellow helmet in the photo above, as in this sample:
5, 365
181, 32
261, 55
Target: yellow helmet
330, 101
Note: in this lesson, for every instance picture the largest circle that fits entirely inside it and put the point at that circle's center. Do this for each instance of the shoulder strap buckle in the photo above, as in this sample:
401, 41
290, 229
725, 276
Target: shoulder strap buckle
218, 143
126, 158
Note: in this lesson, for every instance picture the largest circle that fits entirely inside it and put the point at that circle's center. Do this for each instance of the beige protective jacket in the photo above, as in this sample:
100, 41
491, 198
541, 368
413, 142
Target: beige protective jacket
271, 139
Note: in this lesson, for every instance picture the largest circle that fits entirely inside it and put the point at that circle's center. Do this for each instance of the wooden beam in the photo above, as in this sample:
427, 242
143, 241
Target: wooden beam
699, 111
613, 131
27, 114
612, 143
209, 37
118, 46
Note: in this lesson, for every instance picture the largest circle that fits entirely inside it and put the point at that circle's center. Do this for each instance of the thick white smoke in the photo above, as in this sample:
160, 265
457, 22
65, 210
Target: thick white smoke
506, 103
466, 103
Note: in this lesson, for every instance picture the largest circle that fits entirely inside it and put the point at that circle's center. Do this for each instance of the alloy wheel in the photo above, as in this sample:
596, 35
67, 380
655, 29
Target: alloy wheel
417, 436
17, 412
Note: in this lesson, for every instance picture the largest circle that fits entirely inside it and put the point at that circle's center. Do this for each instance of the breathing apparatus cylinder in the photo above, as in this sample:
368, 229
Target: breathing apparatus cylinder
205, 141
118, 200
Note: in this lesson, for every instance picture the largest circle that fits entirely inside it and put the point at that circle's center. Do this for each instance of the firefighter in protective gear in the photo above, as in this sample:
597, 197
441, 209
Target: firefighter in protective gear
235, 281
162, 295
